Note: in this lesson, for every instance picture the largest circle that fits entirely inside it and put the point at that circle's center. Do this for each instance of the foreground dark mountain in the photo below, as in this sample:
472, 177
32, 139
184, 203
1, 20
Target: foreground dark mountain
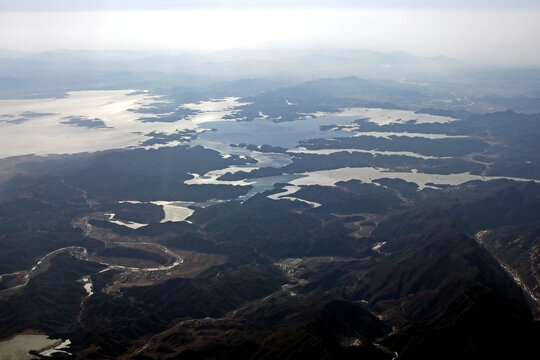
431, 292
516, 248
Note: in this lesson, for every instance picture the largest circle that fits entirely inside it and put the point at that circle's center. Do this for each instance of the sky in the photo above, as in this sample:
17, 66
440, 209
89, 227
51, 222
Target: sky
492, 32
85, 5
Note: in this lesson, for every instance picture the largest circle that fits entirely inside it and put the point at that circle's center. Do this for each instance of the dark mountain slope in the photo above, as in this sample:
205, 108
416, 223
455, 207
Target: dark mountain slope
449, 297
518, 248
276, 229
430, 292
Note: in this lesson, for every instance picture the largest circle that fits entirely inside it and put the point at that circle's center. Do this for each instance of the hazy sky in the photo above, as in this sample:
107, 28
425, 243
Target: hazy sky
500, 32
55, 5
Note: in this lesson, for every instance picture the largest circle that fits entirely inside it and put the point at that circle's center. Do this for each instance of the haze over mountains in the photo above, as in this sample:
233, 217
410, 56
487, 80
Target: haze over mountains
203, 74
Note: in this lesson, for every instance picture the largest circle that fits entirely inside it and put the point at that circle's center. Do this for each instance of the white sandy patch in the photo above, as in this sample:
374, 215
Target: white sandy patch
87, 284
158, 146
213, 110
262, 115
174, 211
58, 349
368, 174
290, 103
88, 288
291, 189
211, 177
389, 116
129, 224
228, 103
388, 134
373, 152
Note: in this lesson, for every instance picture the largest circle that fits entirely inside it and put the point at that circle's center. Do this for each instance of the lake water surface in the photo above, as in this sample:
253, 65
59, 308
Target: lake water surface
17, 347
41, 131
